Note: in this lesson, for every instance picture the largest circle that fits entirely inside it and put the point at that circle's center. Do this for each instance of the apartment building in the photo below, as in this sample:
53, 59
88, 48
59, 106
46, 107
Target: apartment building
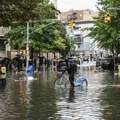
4, 47
86, 14
84, 45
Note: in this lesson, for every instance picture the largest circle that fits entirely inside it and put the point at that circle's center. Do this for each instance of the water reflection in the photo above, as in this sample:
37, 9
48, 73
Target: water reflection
71, 95
41, 100
70, 104
111, 102
74, 92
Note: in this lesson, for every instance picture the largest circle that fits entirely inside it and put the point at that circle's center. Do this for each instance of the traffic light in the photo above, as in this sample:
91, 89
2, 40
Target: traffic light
23, 52
72, 24
107, 18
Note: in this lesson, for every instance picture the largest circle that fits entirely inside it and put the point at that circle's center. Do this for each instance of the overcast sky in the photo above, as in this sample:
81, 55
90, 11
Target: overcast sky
66, 5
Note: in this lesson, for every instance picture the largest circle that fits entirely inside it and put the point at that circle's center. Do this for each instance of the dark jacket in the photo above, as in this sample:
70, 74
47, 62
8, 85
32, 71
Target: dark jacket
72, 69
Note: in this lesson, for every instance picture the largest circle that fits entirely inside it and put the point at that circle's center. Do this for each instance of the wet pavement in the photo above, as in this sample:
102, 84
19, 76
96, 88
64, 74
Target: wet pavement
39, 99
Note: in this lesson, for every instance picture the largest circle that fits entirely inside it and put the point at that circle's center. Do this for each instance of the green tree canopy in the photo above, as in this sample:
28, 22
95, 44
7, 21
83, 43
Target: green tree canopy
24, 10
107, 35
46, 36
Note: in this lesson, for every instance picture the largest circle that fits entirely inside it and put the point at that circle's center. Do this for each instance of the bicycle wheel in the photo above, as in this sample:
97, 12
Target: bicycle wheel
85, 83
60, 82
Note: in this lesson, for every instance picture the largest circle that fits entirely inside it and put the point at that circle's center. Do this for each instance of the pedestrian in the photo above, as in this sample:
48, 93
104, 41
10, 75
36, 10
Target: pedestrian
17, 63
30, 61
72, 69
35, 62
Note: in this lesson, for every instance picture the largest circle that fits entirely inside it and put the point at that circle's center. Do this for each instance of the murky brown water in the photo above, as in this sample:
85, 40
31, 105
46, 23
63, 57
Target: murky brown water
41, 100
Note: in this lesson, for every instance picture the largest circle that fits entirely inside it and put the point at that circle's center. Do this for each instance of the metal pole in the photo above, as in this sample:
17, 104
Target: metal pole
70, 48
27, 47
114, 8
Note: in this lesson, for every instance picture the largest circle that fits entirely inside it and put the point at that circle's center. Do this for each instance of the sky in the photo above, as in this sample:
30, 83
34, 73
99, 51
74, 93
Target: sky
66, 5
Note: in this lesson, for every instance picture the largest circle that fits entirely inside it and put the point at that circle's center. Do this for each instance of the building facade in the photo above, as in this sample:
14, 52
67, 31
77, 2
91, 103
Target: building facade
86, 14
4, 47
84, 45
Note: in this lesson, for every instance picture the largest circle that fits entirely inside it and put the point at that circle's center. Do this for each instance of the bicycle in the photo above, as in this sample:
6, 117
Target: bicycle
63, 80
79, 81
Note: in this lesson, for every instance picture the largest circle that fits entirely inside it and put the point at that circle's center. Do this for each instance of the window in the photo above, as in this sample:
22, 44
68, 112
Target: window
2, 45
78, 45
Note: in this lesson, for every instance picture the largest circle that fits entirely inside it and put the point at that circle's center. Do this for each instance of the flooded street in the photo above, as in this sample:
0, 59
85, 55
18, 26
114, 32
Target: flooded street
40, 100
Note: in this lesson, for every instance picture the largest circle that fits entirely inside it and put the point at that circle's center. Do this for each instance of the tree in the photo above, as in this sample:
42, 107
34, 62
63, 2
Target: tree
108, 35
50, 38
24, 10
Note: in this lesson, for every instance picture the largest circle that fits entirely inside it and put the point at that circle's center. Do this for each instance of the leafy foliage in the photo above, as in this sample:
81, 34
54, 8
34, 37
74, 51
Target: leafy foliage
44, 36
24, 10
108, 35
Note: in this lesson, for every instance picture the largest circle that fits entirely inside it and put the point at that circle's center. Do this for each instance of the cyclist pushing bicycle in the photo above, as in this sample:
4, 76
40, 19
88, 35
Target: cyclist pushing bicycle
74, 78
72, 70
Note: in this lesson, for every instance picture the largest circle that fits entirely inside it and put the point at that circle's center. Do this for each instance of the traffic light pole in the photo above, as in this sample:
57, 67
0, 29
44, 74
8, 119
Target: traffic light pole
114, 8
27, 47
28, 41
71, 24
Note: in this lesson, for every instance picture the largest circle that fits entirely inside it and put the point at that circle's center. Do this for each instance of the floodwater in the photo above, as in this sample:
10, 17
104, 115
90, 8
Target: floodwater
39, 99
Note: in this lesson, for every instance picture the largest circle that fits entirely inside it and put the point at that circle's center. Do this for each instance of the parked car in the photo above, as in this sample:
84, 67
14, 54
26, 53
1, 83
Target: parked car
61, 65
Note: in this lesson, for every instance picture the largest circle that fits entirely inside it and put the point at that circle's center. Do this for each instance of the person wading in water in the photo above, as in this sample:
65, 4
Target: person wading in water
72, 69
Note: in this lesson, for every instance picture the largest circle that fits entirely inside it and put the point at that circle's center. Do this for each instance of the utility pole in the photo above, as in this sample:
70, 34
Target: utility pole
71, 24
27, 47
28, 41
114, 8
